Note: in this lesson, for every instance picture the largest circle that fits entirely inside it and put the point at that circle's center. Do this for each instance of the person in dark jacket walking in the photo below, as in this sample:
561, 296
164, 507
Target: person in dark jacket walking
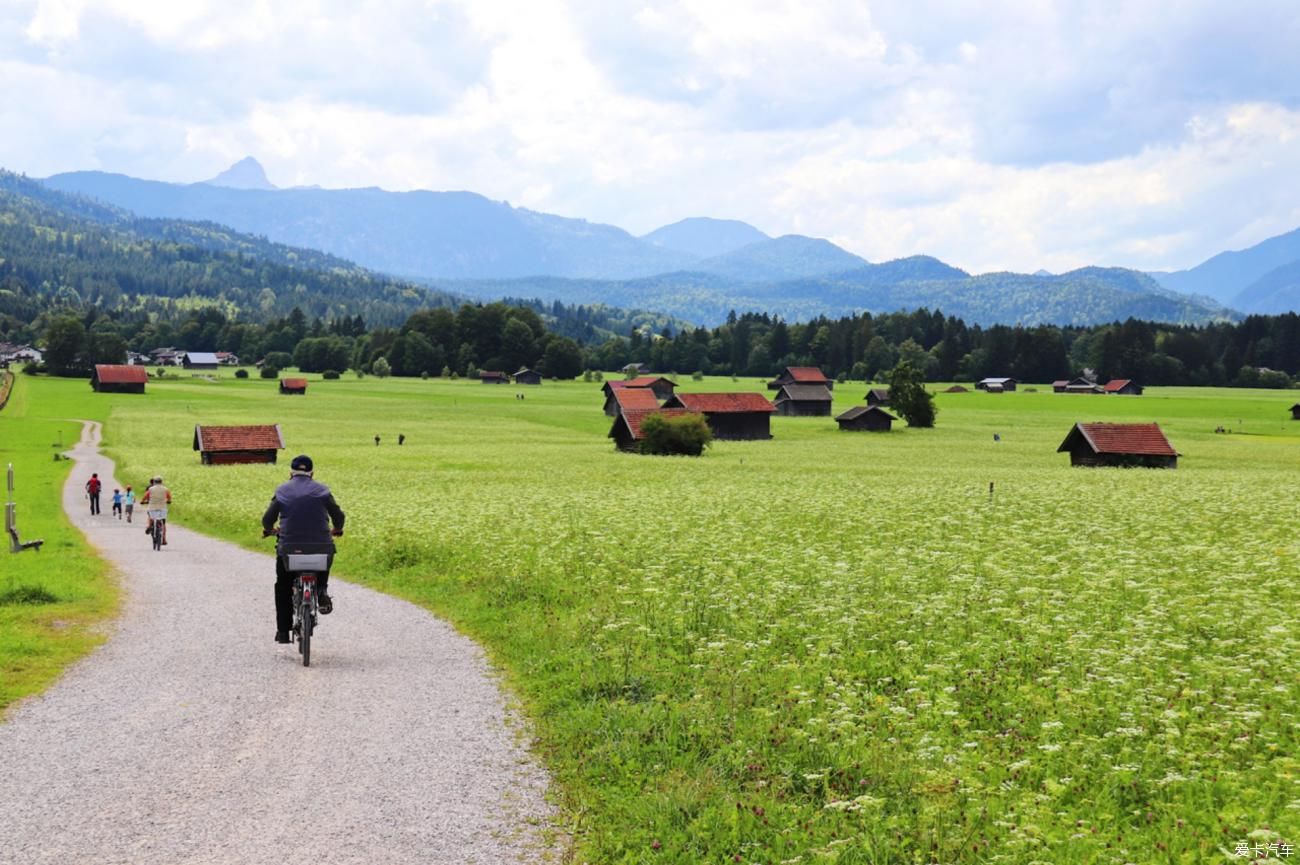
306, 510
93, 486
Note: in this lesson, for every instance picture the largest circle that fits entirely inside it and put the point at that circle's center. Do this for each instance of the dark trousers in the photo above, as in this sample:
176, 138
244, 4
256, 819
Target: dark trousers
284, 593
94, 503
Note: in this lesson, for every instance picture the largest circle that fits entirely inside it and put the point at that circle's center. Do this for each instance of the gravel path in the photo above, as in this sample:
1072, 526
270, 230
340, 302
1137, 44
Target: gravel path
191, 736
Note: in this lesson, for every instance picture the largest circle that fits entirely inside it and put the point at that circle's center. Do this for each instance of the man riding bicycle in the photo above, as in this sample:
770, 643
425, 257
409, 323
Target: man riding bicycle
306, 509
155, 500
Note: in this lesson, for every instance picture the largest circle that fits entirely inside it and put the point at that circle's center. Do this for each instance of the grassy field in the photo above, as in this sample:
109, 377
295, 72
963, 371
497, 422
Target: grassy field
50, 601
827, 647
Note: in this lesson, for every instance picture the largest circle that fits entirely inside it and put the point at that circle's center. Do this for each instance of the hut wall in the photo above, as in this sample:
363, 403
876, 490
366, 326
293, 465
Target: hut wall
803, 408
230, 458
136, 387
867, 423
740, 427
1082, 455
662, 390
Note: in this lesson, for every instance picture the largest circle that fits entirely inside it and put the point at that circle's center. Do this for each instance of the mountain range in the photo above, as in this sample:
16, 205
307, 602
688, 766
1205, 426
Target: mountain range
697, 269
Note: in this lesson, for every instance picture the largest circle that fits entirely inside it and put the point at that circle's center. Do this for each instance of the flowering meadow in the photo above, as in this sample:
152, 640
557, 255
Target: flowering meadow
914, 647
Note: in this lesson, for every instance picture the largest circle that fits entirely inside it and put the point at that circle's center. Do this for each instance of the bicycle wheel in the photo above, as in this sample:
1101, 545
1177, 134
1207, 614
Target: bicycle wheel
158, 534
304, 635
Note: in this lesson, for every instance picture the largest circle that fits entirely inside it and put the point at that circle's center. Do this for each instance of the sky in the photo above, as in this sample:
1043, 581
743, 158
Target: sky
994, 134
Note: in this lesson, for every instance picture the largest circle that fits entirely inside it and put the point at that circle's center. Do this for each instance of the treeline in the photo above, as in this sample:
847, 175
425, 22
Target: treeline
1261, 351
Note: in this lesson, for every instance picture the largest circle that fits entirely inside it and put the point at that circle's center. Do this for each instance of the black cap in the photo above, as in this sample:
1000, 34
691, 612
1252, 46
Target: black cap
301, 463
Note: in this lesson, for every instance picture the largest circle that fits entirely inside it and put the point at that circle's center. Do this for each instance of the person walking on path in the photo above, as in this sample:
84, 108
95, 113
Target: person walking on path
128, 498
93, 486
306, 510
117, 503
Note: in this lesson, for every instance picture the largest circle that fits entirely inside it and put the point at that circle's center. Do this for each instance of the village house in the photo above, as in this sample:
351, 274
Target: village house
800, 375
493, 377
135, 358
1124, 387
1119, 444
626, 431
878, 396
227, 358
118, 378
803, 400
293, 386
866, 418
528, 376
731, 416
996, 385
231, 445
15, 353
166, 356
635, 369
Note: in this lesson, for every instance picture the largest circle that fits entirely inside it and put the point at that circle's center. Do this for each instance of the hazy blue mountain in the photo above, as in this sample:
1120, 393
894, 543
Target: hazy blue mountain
1225, 275
1275, 292
425, 234
1087, 296
704, 237
789, 257
247, 173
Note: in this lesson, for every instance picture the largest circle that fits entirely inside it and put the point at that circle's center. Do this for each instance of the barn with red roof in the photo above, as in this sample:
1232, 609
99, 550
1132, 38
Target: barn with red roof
1125, 386
661, 387
731, 416
231, 445
626, 431
118, 378
1119, 444
293, 385
800, 375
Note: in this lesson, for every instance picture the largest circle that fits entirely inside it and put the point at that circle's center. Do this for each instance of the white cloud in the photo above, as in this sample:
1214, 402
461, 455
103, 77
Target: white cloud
994, 135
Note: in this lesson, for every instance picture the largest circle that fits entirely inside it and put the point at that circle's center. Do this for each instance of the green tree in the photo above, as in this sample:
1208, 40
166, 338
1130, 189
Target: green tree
563, 358
518, 348
381, 368
683, 435
65, 346
908, 396
105, 346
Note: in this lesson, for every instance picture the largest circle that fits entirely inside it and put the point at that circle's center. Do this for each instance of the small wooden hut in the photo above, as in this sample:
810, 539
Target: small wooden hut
626, 431
661, 387
293, 385
487, 377
878, 396
528, 376
1124, 387
731, 416
1119, 444
118, 378
1060, 385
996, 385
231, 445
200, 360
800, 375
803, 400
866, 418
633, 399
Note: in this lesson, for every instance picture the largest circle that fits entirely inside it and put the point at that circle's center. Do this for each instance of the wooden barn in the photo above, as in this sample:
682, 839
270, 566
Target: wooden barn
118, 378
493, 377
878, 396
1119, 444
662, 388
1123, 386
1060, 385
996, 385
528, 376
293, 385
731, 416
200, 360
803, 400
231, 445
800, 375
626, 431
633, 399
866, 418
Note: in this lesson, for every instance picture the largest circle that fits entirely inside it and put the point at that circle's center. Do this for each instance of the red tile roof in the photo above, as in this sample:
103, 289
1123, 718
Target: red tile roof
238, 438
1141, 439
724, 403
293, 382
1117, 384
636, 398
806, 374
634, 418
108, 373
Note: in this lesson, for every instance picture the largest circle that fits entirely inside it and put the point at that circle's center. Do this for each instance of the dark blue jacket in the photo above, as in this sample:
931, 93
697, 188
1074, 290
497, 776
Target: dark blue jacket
305, 509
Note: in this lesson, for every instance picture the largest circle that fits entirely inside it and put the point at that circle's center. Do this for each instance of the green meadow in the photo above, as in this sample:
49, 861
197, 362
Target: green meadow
920, 646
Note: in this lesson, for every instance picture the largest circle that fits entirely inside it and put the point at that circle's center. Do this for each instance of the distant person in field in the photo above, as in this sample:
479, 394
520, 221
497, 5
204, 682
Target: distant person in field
401, 438
156, 499
306, 510
128, 499
376, 441
117, 503
93, 486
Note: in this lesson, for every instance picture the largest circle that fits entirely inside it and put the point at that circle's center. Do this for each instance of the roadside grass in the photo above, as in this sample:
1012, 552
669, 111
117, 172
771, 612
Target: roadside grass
828, 647
54, 602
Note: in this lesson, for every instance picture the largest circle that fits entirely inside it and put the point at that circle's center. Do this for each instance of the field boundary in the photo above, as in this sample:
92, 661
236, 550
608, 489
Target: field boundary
6, 387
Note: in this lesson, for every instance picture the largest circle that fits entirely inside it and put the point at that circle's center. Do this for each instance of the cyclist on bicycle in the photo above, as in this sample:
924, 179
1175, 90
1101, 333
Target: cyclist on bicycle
306, 509
155, 500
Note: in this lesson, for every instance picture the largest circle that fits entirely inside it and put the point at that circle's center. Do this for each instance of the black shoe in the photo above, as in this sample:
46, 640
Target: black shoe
148, 530
282, 636
325, 604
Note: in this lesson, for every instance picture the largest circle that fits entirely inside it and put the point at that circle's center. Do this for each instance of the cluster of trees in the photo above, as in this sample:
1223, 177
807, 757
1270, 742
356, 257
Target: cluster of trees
945, 348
